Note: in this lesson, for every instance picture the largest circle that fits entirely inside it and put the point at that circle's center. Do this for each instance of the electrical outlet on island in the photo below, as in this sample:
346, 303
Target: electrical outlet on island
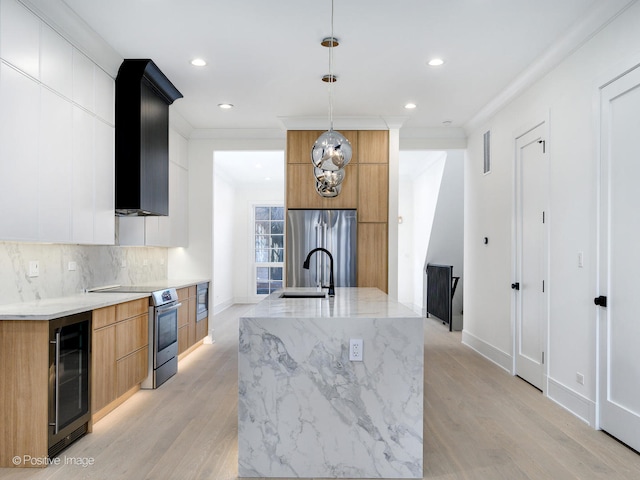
355, 350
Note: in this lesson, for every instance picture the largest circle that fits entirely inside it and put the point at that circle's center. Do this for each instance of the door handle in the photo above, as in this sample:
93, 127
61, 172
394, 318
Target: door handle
600, 301
515, 286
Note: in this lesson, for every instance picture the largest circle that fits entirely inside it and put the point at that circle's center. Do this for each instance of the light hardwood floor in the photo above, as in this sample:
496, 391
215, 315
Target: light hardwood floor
480, 423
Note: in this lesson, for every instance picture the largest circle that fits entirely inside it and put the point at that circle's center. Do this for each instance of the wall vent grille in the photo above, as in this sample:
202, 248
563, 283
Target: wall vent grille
487, 152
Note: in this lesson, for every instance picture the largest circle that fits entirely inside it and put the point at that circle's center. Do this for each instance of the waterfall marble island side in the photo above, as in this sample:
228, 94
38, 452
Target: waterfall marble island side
306, 410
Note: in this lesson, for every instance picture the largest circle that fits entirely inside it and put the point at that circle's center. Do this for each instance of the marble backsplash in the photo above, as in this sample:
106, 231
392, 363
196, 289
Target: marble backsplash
94, 266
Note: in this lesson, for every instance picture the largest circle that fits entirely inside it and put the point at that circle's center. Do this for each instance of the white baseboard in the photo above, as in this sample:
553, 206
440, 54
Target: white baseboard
491, 353
222, 306
577, 404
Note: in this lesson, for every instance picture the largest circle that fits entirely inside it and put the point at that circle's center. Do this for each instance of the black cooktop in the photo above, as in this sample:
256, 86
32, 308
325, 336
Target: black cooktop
133, 289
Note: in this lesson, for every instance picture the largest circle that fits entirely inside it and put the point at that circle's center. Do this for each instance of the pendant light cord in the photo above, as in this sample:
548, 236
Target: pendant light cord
331, 79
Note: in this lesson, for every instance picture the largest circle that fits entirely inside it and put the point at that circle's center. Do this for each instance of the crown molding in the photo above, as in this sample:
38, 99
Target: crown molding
76, 31
239, 133
342, 123
598, 17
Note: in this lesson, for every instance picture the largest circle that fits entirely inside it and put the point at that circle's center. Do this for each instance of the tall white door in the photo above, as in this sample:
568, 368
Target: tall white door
532, 177
619, 226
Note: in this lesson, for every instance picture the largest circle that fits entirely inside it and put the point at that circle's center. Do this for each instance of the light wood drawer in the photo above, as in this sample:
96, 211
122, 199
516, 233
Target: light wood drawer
132, 370
132, 309
183, 293
103, 317
183, 339
131, 335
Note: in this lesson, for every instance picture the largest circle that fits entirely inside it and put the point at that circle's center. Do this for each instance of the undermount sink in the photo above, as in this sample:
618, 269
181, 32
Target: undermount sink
295, 294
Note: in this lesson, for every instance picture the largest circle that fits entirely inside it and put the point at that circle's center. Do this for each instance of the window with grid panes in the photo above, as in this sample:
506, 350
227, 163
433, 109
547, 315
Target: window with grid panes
269, 248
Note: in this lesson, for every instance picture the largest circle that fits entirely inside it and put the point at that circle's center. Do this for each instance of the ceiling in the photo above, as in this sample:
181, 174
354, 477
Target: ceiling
265, 57
261, 168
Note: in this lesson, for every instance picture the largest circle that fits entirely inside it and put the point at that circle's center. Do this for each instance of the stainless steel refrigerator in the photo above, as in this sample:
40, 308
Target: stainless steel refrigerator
334, 230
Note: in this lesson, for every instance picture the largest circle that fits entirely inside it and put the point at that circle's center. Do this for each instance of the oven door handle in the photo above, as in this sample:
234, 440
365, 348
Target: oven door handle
168, 309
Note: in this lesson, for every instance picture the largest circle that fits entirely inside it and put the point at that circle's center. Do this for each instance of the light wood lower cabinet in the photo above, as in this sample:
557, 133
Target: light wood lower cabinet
132, 370
24, 389
120, 349
190, 331
372, 255
103, 367
202, 329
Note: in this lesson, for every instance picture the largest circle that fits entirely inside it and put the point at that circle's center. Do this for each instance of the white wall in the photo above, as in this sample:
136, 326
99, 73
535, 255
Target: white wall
431, 205
446, 242
421, 174
233, 278
406, 262
224, 202
568, 95
197, 260
426, 190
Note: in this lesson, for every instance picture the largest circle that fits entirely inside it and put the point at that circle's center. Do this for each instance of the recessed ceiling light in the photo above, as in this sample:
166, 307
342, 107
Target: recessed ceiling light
198, 62
410, 106
436, 62
447, 123
225, 106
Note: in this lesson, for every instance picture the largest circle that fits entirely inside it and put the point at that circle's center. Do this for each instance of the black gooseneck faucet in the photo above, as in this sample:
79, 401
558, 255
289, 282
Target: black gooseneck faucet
305, 265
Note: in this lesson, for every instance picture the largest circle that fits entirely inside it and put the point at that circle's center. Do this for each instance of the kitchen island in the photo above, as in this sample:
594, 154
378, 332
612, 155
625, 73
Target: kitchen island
306, 410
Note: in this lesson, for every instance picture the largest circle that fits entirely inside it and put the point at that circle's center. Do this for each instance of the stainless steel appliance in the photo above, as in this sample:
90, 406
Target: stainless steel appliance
163, 337
334, 230
202, 303
69, 380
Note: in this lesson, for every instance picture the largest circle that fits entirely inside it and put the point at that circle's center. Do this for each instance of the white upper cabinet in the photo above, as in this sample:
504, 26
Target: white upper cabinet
179, 205
54, 168
83, 81
19, 134
56, 62
56, 136
104, 184
20, 37
104, 95
83, 170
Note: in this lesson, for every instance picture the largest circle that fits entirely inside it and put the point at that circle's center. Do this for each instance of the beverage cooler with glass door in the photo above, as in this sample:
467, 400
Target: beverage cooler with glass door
69, 380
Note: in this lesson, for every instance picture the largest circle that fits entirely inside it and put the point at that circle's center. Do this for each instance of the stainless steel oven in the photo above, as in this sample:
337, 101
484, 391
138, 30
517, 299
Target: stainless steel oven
163, 337
69, 380
202, 310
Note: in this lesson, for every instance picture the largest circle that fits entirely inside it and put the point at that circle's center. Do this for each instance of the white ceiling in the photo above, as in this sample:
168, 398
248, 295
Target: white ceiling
251, 167
265, 56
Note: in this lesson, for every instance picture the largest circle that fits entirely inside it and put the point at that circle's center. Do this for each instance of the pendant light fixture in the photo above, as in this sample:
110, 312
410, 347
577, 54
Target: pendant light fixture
331, 152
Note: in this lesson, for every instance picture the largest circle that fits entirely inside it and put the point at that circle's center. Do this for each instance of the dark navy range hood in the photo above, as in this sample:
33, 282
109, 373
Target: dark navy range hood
143, 96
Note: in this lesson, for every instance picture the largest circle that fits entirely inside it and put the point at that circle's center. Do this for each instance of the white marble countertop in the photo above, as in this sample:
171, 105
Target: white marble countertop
51, 308
349, 302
